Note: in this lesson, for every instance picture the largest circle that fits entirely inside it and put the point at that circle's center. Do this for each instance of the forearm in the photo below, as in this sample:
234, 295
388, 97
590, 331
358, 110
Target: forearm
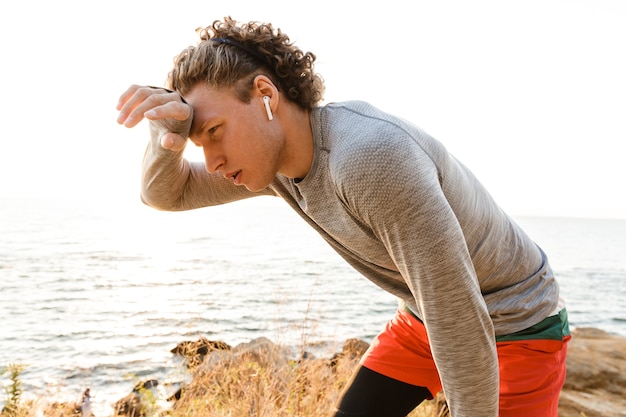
425, 240
440, 272
449, 300
464, 351
164, 175
172, 183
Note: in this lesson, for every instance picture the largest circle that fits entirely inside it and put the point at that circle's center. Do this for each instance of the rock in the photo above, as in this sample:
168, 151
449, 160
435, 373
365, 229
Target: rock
260, 350
144, 385
595, 385
355, 348
352, 349
134, 404
195, 352
129, 406
260, 361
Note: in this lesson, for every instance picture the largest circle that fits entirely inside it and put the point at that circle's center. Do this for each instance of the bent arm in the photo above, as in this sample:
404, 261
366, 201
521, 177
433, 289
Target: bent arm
172, 183
168, 181
398, 194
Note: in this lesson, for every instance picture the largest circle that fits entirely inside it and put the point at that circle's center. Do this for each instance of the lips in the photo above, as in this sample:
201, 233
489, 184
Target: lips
234, 176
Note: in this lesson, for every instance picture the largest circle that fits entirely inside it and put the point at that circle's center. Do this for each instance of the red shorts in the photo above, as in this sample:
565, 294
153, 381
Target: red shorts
532, 371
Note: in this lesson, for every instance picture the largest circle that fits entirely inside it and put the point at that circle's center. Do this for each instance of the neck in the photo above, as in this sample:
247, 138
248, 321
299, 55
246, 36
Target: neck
298, 152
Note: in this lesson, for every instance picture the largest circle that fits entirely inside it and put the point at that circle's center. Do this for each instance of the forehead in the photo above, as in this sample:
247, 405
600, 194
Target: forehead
209, 103
205, 96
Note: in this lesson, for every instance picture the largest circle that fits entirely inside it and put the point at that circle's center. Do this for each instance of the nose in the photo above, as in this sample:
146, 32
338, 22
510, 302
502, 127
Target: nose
213, 159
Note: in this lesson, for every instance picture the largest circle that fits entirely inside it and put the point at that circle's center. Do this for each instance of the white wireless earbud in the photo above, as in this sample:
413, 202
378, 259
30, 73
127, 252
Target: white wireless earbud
268, 109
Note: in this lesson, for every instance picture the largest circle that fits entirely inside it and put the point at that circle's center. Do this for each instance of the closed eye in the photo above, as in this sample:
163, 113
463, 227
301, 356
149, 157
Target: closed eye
213, 134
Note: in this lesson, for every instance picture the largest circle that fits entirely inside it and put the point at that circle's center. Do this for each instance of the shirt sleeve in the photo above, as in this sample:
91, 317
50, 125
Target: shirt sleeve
170, 182
395, 189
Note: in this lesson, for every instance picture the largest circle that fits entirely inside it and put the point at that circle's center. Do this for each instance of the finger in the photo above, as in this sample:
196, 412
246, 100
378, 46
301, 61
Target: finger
173, 142
127, 95
132, 98
139, 99
170, 110
133, 89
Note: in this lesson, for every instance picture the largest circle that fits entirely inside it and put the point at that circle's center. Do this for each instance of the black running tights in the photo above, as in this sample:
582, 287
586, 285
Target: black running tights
371, 394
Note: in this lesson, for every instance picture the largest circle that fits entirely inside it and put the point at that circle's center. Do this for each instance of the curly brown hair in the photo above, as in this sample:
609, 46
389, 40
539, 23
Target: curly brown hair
232, 55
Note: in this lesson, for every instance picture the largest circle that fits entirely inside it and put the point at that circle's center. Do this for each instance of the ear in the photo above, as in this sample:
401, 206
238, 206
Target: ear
263, 86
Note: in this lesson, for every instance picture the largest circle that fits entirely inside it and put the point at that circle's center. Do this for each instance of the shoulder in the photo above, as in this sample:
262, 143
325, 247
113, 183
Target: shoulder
375, 157
359, 118
361, 139
352, 128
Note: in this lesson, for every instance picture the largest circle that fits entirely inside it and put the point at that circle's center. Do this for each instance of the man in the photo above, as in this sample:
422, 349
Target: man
480, 312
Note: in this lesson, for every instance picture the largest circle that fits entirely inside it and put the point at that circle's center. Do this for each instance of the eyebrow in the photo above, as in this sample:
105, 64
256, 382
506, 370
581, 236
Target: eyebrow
195, 129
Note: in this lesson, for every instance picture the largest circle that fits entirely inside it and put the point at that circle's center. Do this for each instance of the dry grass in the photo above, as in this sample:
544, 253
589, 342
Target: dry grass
263, 386
261, 383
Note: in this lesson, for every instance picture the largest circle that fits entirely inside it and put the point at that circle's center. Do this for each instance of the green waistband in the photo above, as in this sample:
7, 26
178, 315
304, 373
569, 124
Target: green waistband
551, 328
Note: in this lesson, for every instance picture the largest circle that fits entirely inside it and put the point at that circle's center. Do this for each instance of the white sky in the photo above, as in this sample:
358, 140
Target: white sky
529, 94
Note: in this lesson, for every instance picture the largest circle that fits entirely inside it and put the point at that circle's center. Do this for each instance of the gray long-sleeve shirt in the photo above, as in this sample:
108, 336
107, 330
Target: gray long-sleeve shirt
411, 218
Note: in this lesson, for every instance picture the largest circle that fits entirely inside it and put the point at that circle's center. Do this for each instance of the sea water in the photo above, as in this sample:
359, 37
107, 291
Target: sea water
96, 294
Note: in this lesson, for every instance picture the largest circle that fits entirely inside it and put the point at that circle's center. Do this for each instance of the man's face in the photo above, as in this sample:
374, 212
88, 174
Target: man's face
237, 139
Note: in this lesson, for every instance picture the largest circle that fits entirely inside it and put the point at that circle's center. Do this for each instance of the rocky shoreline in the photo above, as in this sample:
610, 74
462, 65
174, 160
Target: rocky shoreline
595, 385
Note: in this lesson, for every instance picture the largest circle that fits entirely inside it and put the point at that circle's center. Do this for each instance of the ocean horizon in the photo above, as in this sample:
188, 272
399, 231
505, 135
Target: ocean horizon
96, 295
